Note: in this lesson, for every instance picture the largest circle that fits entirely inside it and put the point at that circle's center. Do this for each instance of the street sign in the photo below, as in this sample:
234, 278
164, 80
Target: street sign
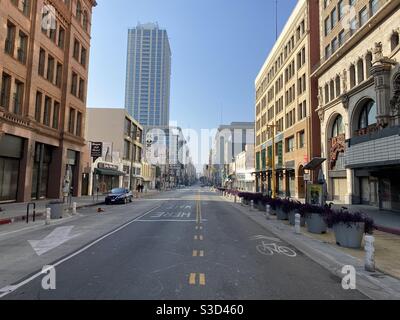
96, 149
306, 177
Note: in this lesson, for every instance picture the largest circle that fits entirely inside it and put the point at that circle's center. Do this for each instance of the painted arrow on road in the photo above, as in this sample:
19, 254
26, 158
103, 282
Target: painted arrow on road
56, 238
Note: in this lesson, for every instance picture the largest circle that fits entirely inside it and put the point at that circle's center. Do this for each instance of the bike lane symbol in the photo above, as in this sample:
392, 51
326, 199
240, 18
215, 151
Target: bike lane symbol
269, 247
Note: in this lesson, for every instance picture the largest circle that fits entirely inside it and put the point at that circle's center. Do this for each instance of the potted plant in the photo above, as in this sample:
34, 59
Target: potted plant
284, 206
349, 227
315, 217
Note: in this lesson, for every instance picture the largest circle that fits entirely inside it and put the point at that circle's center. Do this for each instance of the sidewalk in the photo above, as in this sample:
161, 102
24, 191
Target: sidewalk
16, 212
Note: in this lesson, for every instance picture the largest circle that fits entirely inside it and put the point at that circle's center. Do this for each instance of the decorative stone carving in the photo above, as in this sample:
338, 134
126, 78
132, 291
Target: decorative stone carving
320, 97
395, 101
321, 115
377, 52
345, 100
338, 145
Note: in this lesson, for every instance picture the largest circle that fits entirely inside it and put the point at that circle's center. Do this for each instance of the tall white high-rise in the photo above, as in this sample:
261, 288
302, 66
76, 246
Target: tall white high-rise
148, 75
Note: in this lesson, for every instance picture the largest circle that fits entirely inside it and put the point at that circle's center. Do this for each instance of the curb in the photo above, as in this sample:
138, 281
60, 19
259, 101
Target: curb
41, 214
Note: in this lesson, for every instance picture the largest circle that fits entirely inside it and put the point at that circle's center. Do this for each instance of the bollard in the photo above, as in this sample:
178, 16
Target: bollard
297, 223
241, 201
369, 253
235, 199
74, 208
268, 211
251, 205
48, 216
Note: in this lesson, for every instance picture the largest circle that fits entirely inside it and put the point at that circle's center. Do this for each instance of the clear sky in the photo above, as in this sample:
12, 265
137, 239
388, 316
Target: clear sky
218, 47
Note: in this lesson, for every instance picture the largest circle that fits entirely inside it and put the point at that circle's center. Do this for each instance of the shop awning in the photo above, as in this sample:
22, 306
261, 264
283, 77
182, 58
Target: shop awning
314, 163
108, 172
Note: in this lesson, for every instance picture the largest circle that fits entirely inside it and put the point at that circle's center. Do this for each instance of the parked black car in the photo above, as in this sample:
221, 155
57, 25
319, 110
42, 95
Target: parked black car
119, 195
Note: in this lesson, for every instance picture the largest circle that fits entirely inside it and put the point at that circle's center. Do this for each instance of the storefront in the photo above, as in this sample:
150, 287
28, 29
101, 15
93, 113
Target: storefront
107, 177
40, 170
10, 158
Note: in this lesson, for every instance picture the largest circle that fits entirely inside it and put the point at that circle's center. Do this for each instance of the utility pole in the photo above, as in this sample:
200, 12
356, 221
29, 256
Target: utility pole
272, 126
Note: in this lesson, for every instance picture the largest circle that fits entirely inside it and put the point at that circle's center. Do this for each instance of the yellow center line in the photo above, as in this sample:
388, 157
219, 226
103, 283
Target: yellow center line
194, 253
195, 237
201, 238
201, 253
202, 279
192, 279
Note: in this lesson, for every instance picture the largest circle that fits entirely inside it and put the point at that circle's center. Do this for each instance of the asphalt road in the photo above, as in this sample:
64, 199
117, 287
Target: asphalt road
192, 245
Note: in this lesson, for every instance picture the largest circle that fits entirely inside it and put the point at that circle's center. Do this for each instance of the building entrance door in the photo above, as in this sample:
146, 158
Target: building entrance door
385, 194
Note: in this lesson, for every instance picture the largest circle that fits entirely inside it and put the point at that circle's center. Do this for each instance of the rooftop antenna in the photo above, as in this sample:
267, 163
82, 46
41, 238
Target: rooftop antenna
276, 19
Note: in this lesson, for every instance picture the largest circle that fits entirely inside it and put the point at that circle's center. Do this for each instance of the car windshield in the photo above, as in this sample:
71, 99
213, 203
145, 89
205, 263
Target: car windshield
117, 190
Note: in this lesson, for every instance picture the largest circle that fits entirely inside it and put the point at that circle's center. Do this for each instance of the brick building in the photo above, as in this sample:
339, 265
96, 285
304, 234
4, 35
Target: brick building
44, 58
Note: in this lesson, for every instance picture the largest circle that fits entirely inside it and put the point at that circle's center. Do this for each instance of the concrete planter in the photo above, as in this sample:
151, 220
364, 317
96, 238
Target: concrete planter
281, 215
292, 218
316, 223
349, 236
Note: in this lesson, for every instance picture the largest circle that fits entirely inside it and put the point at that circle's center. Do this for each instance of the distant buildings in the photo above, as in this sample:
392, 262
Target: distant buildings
229, 141
148, 74
44, 58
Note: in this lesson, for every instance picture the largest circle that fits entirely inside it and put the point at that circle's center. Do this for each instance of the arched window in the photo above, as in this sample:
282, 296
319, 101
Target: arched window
368, 64
367, 115
337, 85
79, 10
360, 71
85, 20
338, 127
394, 40
352, 76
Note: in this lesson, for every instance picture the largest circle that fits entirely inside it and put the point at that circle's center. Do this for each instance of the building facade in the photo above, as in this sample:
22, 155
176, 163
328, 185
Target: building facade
286, 98
229, 141
359, 94
243, 177
121, 161
148, 75
44, 59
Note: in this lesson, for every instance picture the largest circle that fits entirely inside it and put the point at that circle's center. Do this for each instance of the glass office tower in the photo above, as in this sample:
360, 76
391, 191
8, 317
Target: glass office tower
148, 75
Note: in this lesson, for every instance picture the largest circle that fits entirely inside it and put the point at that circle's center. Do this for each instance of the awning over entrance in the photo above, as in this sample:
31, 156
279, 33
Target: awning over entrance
314, 163
108, 172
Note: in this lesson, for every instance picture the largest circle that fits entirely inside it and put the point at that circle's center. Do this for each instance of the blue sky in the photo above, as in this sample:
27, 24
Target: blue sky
218, 47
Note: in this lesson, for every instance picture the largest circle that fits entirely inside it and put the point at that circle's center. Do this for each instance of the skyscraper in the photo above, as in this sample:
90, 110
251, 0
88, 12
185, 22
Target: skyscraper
148, 73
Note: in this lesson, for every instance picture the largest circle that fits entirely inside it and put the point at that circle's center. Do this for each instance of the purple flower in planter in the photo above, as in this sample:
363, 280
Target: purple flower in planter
343, 216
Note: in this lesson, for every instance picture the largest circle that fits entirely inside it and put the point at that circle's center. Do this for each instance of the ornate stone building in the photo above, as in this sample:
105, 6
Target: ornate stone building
359, 90
44, 58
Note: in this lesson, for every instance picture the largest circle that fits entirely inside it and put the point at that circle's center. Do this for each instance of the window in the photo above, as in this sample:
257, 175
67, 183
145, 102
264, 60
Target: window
341, 38
327, 51
61, 37
340, 9
352, 76
353, 25
332, 90
127, 150
59, 75
74, 84
53, 32
83, 56
5, 90
47, 111
76, 49
301, 139
50, 68
23, 47
56, 114
333, 18
78, 13
79, 124
368, 64
367, 115
42, 58
360, 71
290, 144
394, 40
338, 127
327, 26
326, 93
81, 94
18, 96
85, 21
71, 122
10, 39
363, 16
374, 6
337, 85
38, 106
334, 44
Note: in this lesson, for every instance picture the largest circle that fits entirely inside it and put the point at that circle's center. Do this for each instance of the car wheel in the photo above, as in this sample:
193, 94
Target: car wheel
125, 200
130, 199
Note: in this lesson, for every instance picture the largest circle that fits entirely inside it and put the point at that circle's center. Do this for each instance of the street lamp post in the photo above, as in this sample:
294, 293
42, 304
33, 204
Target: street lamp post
273, 126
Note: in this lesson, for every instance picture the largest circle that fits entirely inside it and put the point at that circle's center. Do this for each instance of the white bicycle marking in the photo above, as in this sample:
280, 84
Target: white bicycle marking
269, 248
